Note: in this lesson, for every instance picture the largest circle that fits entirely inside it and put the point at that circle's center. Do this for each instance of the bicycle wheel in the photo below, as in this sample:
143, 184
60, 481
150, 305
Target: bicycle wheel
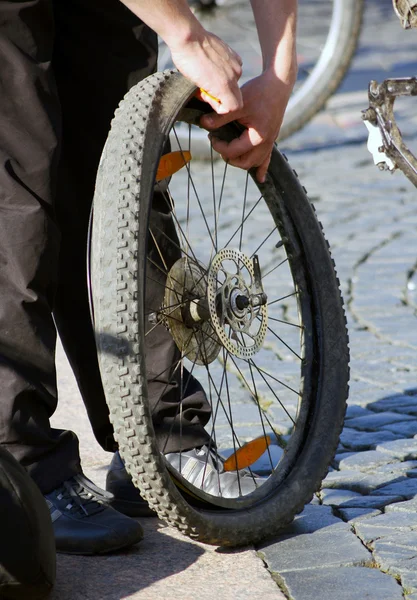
327, 37
269, 342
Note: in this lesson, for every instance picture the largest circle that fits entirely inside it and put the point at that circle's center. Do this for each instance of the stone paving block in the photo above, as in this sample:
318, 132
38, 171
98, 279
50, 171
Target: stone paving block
409, 582
399, 404
375, 421
396, 519
333, 546
404, 429
357, 514
391, 558
367, 460
353, 411
342, 479
401, 449
312, 519
344, 583
402, 566
366, 440
407, 489
407, 506
371, 501
334, 497
339, 456
382, 526
401, 539
412, 473
360, 481
263, 465
405, 467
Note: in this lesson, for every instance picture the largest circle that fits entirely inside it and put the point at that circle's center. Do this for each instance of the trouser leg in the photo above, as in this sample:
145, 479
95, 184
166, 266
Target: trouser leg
176, 427
101, 51
29, 242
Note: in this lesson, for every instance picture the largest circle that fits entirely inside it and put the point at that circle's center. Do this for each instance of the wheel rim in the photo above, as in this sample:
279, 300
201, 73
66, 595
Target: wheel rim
310, 76
253, 391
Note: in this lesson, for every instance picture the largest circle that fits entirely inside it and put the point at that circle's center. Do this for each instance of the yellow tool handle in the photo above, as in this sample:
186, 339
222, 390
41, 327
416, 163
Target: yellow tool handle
210, 96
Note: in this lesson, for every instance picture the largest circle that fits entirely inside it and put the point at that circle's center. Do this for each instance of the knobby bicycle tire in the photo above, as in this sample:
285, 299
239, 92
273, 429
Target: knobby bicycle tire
122, 200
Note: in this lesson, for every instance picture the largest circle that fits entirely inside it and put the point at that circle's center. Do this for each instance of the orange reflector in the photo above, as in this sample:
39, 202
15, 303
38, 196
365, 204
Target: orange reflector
210, 96
171, 163
247, 454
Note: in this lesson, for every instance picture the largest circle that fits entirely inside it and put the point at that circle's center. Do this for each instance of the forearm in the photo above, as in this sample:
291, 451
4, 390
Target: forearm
172, 20
276, 25
198, 54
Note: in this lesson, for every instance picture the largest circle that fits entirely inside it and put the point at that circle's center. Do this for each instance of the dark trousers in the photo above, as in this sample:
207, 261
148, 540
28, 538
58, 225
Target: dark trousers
64, 66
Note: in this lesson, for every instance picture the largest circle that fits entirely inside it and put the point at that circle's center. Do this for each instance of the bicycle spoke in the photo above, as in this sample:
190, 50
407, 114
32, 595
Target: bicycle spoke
274, 394
283, 322
242, 224
282, 298
243, 211
275, 268
214, 199
274, 378
222, 186
187, 166
282, 341
234, 437
260, 411
265, 240
188, 256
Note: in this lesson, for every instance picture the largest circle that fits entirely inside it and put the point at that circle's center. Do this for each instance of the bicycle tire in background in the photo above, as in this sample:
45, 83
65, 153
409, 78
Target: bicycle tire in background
122, 200
327, 75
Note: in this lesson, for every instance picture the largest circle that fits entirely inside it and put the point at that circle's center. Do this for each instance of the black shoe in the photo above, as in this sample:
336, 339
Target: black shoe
84, 524
127, 498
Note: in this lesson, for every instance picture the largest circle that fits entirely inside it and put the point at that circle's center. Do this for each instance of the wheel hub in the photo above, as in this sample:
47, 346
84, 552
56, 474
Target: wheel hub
185, 312
237, 303
224, 306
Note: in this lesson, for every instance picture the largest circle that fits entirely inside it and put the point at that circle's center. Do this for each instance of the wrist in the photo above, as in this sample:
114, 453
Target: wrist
172, 20
187, 31
282, 69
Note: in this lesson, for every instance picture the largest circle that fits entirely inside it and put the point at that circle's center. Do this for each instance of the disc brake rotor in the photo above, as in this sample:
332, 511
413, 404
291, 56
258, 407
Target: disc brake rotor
238, 314
186, 287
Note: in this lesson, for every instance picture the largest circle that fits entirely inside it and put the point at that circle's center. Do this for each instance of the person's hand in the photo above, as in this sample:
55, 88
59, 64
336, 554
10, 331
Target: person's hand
214, 68
264, 102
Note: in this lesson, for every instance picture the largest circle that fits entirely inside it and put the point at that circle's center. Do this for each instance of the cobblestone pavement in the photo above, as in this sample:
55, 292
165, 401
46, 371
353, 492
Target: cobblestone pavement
357, 539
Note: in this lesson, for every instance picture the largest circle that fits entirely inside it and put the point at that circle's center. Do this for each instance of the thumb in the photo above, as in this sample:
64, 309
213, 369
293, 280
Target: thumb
214, 120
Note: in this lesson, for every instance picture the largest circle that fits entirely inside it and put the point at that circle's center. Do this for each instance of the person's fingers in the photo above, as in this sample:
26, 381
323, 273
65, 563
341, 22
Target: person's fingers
238, 58
240, 146
230, 100
215, 121
209, 99
262, 170
257, 157
224, 101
